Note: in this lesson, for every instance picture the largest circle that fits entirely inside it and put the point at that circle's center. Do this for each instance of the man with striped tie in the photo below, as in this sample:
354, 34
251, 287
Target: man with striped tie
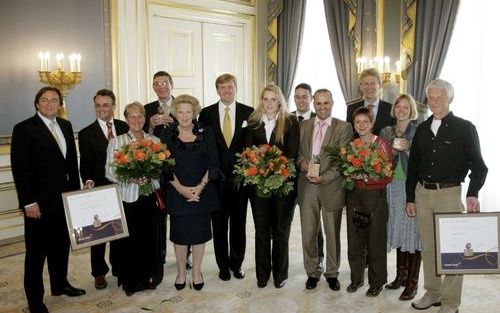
93, 142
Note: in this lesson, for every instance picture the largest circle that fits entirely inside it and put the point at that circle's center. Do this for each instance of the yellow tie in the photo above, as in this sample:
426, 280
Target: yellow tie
226, 127
54, 133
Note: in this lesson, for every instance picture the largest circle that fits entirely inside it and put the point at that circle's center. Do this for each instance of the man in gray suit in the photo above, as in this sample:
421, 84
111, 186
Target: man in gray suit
320, 195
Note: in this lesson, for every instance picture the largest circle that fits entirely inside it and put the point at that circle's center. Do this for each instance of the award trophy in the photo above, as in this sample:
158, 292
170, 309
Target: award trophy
314, 165
399, 143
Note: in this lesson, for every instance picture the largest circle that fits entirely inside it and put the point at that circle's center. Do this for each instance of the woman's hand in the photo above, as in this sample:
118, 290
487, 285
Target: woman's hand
140, 181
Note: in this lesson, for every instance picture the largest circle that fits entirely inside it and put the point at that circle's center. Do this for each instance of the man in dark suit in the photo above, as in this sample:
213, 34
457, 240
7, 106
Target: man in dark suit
228, 119
303, 98
158, 113
370, 83
44, 165
93, 142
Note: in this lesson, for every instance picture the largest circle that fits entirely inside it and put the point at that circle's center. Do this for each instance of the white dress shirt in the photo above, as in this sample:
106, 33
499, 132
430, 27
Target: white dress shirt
269, 125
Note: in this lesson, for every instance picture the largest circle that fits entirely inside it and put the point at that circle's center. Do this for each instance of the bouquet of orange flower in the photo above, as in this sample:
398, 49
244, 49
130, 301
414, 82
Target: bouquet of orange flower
265, 168
357, 160
142, 159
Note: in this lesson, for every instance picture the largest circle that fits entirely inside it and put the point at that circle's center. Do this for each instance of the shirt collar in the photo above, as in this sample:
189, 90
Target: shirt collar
328, 121
231, 106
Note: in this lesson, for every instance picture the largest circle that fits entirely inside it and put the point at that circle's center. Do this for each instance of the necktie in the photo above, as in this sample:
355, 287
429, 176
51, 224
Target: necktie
54, 133
226, 127
370, 107
110, 130
301, 118
318, 139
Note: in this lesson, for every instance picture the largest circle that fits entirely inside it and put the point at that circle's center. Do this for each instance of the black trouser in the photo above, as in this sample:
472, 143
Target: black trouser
373, 237
230, 220
46, 237
272, 218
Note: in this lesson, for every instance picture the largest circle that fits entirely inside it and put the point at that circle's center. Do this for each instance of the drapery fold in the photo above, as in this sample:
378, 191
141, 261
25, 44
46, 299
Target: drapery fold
433, 30
337, 19
290, 29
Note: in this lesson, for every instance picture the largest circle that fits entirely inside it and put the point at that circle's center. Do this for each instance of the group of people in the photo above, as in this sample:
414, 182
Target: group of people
429, 163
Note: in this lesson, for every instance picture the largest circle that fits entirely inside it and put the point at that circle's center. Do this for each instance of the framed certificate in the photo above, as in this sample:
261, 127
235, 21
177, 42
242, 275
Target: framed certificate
94, 216
467, 243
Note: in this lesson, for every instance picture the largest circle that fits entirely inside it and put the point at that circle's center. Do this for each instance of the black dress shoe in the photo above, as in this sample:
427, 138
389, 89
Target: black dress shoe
312, 282
225, 275
279, 284
374, 291
180, 286
70, 291
353, 287
333, 283
239, 273
199, 286
261, 283
100, 282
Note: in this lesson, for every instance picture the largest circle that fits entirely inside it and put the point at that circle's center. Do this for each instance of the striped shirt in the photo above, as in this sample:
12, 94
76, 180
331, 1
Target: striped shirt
129, 191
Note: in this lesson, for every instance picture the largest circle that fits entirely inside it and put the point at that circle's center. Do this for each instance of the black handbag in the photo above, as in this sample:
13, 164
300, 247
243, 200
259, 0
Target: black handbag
361, 219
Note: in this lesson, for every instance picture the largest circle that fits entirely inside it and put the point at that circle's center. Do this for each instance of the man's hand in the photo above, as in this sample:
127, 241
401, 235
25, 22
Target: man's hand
315, 180
89, 184
33, 211
160, 119
410, 209
304, 165
472, 205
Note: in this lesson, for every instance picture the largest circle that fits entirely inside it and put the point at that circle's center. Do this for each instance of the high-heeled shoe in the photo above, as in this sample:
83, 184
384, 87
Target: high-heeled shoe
199, 286
182, 285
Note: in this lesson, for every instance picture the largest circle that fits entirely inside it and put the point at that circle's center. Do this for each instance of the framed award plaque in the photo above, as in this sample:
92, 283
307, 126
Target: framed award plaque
467, 243
94, 216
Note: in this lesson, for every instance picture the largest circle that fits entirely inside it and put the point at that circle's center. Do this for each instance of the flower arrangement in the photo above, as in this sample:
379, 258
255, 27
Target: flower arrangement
142, 159
357, 160
265, 168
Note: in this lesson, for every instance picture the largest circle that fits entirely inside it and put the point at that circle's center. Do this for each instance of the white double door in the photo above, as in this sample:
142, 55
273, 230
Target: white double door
195, 50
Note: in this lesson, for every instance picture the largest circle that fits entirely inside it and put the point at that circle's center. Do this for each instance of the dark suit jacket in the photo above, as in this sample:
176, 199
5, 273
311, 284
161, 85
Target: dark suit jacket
290, 145
209, 116
41, 173
93, 144
382, 120
152, 109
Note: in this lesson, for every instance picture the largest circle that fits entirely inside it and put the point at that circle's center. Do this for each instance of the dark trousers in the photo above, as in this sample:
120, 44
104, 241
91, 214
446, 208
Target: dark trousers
272, 218
230, 220
46, 237
373, 237
97, 260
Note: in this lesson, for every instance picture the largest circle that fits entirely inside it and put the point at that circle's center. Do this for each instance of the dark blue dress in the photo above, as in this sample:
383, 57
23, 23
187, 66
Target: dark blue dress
190, 221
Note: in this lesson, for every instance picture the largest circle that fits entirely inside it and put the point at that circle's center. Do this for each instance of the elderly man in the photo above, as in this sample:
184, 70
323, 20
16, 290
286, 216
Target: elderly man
228, 120
158, 112
445, 148
370, 83
93, 142
320, 194
44, 165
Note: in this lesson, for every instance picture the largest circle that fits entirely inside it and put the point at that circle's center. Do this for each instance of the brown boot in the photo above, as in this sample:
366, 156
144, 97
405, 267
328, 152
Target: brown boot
402, 270
412, 281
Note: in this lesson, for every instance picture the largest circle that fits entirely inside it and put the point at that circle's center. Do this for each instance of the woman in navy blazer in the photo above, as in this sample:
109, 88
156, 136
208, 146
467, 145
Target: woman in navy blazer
271, 124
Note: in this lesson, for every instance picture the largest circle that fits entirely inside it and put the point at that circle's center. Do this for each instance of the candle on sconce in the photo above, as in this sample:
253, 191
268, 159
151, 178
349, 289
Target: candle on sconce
60, 61
47, 60
41, 56
363, 64
72, 61
387, 64
398, 67
78, 59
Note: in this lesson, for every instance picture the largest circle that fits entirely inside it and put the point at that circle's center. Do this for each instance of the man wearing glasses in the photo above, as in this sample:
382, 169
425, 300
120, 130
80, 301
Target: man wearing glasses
158, 112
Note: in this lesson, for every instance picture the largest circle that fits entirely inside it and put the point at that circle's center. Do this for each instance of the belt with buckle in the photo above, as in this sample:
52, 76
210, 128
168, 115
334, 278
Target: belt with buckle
435, 186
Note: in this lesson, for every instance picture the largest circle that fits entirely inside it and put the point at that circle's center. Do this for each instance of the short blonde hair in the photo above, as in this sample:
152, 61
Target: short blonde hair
195, 104
134, 107
370, 72
224, 78
411, 102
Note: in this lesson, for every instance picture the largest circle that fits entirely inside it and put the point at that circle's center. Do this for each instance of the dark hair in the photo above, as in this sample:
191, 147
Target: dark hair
106, 93
362, 111
324, 90
163, 73
304, 86
48, 88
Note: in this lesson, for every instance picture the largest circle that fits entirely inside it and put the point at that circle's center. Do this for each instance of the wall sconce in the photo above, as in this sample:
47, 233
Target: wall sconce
59, 78
382, 64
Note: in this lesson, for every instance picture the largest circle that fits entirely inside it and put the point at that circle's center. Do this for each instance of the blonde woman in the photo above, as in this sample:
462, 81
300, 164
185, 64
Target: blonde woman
271, 124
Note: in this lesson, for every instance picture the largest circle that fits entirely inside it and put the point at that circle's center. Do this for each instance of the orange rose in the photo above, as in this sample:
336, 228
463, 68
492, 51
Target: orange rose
285, 173
283, 159
156, 147
357, 162
363, 153
358, 143
162, 156
139, 155
350, 157
252, 171
377, 167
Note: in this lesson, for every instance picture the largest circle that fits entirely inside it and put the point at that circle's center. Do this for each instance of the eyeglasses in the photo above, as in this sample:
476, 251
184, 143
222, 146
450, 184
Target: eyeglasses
163, 83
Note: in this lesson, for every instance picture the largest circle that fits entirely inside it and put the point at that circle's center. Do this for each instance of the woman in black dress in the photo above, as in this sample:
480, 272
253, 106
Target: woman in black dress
191, 194
271, 124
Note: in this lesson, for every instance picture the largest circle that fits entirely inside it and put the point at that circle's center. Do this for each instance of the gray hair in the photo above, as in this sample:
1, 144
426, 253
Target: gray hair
441, 84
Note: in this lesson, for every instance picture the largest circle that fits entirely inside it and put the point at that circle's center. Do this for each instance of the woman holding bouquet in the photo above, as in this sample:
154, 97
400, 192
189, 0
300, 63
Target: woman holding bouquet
191, 193
142, 261
271, 124
367, 212
402, 231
